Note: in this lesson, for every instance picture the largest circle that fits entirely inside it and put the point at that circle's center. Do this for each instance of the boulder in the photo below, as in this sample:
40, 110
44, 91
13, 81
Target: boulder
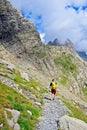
69, 123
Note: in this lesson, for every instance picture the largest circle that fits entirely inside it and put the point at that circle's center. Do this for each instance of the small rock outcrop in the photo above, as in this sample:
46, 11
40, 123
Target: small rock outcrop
13, 122
69, 123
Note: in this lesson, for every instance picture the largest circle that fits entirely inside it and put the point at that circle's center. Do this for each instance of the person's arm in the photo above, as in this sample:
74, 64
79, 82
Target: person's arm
50, 84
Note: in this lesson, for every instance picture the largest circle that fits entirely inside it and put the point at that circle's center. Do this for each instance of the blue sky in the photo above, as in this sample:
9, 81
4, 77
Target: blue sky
57, 19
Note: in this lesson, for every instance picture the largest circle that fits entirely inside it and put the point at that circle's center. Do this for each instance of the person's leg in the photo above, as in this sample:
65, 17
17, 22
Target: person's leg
51, 94
53, 91
54, 94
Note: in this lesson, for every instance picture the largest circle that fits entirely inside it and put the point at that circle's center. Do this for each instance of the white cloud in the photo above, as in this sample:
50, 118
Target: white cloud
16, 4
58, 21
78, 2
42, 35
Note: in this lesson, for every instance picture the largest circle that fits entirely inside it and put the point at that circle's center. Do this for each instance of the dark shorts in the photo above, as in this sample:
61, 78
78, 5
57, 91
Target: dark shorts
53, 91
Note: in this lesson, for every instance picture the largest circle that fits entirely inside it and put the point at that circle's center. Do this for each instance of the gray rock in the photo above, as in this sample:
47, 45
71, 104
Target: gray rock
16, 127
29, 112
1, 125
69, 123
13, 122
38, 103
25, 75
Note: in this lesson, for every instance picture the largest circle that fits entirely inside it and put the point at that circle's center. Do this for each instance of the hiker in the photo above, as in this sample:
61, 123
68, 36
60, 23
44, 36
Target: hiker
53, 88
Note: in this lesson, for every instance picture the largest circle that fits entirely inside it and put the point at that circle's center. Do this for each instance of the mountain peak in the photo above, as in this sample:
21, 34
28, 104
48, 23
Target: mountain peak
68, 43
56, 42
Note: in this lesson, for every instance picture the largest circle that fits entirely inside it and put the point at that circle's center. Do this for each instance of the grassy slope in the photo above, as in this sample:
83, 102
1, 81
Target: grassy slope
75, 110
12, 99
84, 90
67, 67
9, 98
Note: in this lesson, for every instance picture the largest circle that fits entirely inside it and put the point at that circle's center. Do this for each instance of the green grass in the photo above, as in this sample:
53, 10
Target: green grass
32, 85
1, 67
65, 62
76, 111
84, 90
11, 99
63, 80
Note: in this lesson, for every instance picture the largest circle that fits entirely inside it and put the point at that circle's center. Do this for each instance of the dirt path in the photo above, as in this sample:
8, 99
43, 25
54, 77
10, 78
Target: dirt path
51, 112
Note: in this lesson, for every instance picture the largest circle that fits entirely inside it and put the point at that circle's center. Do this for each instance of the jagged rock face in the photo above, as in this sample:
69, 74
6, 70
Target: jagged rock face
19, 37
17, 34
69, 43
56, 42
8, 22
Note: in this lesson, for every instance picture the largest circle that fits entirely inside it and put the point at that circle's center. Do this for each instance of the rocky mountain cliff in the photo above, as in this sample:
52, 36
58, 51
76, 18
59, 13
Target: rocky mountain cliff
17, 34
24, 60
19, 37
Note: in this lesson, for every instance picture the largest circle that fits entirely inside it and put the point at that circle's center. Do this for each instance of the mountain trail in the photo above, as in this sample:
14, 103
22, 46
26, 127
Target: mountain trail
51, 112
